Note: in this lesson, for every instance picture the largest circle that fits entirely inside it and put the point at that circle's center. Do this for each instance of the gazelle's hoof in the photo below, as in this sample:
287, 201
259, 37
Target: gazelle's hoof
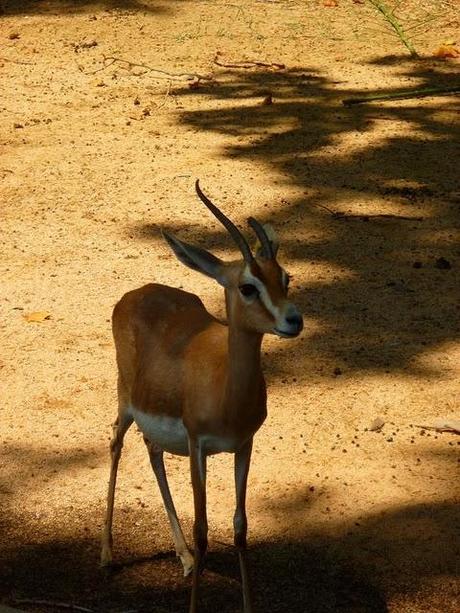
187, 562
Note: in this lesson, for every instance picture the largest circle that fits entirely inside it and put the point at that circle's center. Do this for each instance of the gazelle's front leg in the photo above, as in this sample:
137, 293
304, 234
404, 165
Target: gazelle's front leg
200, 527
240, 523
156, 459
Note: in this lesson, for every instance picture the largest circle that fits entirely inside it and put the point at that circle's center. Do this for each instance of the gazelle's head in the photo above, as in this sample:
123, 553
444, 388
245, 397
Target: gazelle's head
256, 287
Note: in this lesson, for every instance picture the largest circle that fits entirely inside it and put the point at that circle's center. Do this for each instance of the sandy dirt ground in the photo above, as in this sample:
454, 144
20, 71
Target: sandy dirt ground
109, 111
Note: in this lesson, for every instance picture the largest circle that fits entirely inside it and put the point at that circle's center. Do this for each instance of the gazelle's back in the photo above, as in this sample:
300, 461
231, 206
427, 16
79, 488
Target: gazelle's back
152, 327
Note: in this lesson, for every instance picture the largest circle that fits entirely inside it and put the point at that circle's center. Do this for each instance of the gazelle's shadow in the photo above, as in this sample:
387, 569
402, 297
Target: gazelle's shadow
294, 577
119, 566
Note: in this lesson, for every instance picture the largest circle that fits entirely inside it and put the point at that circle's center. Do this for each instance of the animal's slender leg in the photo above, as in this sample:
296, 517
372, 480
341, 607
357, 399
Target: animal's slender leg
156, 460
120, 427
200, 528
240, 523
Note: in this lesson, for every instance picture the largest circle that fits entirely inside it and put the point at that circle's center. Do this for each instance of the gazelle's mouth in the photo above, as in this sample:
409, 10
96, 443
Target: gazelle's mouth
286, 333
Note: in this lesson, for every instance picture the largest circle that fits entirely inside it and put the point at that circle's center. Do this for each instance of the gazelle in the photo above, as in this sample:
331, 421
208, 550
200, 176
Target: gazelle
193, 385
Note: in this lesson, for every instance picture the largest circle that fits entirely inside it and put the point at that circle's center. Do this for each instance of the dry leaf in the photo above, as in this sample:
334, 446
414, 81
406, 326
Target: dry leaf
330, 3
447, 50
37, 316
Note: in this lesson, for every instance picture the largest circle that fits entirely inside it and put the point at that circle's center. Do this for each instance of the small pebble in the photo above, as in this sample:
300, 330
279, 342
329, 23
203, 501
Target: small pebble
443, 264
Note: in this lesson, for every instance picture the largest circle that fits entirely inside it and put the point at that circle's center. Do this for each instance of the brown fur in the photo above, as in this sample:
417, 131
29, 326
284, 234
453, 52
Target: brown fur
173, 359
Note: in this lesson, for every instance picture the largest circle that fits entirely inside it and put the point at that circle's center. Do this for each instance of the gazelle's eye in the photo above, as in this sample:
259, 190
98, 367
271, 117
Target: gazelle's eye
248, 290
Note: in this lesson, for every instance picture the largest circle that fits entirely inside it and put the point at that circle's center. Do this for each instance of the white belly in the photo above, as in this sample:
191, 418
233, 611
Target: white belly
170, 434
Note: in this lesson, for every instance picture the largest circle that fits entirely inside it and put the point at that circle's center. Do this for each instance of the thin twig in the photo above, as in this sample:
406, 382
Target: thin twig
249, 64
443, 425
91, 72
335, 214
50, 603
162, 74
7, 59
159, 106
422, 23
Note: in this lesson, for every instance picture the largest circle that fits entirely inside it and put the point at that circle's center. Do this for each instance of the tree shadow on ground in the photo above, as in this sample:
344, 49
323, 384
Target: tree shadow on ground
57, 7
375, 226
26, 468
393, 556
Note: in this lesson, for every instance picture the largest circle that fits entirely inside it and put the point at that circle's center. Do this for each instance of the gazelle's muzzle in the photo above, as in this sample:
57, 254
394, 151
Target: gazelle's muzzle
290, 322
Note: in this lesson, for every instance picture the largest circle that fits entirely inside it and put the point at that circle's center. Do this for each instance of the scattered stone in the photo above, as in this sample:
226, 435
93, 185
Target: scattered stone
377, 424
86, 44
443, 264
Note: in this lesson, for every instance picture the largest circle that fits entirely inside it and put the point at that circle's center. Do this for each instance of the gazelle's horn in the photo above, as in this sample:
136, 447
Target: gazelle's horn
267, 249
229, 225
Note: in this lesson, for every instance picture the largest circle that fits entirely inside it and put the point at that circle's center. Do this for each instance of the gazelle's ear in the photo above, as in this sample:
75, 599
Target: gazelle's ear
271, 234
197, 258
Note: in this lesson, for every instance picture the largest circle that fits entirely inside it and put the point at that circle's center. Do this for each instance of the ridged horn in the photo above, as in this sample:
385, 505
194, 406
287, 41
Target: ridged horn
229, 225
267, 249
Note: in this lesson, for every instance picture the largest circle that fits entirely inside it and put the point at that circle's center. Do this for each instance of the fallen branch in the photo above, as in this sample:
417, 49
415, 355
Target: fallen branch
162, 74
247, 64
390, 17
443, 425
404, 95
347, 216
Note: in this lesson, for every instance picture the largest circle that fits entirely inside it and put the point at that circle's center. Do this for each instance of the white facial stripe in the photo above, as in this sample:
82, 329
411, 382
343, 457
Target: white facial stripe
264, 295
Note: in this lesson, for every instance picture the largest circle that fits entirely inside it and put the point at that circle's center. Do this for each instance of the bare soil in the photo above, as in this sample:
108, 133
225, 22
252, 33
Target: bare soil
108, 112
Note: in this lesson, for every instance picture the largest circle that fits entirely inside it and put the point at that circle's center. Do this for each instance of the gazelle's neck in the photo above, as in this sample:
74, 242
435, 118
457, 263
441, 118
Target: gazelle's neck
244, 364
244, 355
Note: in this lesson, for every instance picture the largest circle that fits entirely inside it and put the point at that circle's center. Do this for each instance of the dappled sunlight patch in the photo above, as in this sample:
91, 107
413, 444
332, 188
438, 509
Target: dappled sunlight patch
441, 237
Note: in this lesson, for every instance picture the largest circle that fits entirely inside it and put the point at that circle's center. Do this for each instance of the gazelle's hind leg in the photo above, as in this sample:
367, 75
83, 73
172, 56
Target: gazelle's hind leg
156, 459
120, 427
